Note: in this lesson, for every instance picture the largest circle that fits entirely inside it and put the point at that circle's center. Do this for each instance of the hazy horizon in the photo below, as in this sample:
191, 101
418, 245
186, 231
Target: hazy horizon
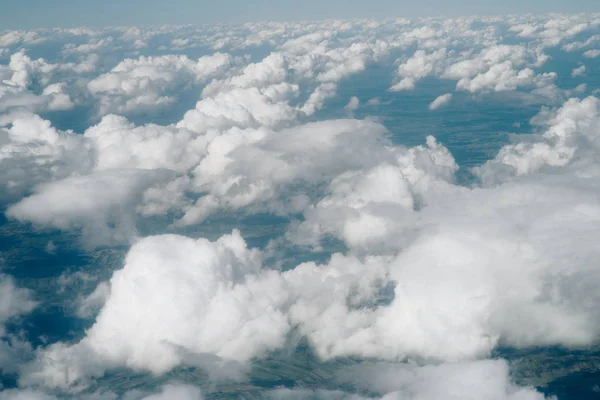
32, 14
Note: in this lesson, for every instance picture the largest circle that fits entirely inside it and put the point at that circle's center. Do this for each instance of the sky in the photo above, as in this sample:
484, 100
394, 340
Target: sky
30, 14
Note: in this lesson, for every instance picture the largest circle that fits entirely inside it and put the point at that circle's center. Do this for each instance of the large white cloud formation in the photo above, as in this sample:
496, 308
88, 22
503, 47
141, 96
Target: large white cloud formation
147, 83
487, 379
431, 271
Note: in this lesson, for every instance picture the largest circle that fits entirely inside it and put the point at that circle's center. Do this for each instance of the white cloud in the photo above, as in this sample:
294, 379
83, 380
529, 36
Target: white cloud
511, 262
353, 104
440, 101
26, 71
420, 65
362, 214
570, 136
592, 53
14, 302
255, 167
101, 204
503, 77
580, 45
516, 55
169, 392
579, 71
479, 380
148, 83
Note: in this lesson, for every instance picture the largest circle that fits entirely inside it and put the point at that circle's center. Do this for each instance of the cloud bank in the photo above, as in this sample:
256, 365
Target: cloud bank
424, 276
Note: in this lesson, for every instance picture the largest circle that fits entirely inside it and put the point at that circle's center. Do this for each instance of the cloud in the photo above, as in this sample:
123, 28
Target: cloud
147, 293
27, 71
472, 253
420, 65
102, 204
360, 213
440, 101
489, 379
316, 394
496, 67
579, 71
570, 137
353, 104
34, 152
14, 302
153, 166
591, 53
503, 77
166, 392
233, 173
148, 83
430, 271
150, 316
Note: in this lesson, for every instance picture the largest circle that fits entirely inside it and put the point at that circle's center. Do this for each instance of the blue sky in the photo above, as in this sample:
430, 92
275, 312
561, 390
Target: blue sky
27, 14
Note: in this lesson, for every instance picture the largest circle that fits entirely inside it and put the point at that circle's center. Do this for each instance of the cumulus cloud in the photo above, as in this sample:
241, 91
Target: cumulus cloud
488, 379
220, 276
14, 301
579, 71
232, 174
102, 204
27, 71
148, 83
353, 104
430, 271
496, 67
571, 136
487, 252
153, 165
440, 101
503, 77
591, 53
357, 211
420, 65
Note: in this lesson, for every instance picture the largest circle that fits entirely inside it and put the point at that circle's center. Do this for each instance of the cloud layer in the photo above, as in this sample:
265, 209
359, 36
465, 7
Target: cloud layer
388, 257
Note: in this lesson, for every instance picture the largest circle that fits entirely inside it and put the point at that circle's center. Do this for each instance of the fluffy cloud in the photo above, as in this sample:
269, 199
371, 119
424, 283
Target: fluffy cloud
229, 309
102, 204
420, 65
353, 104
591, 53
579, 71
14, 301
473, 380
234, 172
148, 83
152, 165
431, 271
486, 252
571, 137
440, 101
360, 213
27, 72
32, 152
